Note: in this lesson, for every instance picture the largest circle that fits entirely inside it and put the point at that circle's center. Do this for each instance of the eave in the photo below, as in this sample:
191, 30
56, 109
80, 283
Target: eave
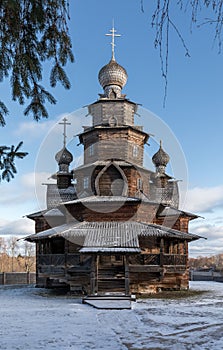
106, 127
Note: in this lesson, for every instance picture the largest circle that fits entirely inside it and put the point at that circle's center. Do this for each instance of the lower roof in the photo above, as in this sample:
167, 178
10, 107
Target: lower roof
110, 236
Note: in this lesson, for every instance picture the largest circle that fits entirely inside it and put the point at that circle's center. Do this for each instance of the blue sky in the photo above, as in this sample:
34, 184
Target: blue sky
193, 110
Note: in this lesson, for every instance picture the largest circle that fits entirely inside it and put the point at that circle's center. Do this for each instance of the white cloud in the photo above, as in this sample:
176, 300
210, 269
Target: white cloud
206, 199
24, 196
50, 131
20, 227
27, 188
33, 186
32, 129
214, 239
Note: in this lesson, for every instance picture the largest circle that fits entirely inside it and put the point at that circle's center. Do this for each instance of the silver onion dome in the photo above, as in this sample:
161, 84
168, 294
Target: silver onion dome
112, 74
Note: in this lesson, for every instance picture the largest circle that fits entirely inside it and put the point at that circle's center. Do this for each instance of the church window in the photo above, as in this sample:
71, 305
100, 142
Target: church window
91, 150
135, 151
86, 182
139, 184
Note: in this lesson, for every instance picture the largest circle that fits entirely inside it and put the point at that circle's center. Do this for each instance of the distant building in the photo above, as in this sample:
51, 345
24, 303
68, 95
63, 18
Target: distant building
103, 229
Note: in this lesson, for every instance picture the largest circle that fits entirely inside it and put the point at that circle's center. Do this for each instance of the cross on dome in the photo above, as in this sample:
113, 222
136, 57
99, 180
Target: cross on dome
113, 35
64, 123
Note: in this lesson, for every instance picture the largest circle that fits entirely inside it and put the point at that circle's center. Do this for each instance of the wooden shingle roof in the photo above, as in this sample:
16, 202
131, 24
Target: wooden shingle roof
109, 236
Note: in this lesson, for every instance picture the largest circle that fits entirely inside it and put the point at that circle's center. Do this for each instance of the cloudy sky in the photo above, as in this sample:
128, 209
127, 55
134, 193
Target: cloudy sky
190, 125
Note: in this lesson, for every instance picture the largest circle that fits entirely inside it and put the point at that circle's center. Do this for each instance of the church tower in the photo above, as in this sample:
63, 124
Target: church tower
114, 146
63, 190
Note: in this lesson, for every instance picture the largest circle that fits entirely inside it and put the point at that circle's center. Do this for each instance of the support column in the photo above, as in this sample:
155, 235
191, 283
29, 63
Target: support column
126, 262
161, 251
161, 258
93, 275
4, 278
96, 281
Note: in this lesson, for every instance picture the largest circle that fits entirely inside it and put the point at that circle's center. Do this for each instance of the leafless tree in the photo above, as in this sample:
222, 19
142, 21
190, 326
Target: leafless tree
163, 20
29, 255
12, 246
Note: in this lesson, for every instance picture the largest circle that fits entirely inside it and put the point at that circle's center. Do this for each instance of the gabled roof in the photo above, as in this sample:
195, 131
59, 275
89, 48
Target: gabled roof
119, 162
103, 199
46, 212
165, 211
110, 236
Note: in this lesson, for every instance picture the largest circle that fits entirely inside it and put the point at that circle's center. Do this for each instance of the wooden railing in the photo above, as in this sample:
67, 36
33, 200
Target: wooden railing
158, 259
57, 263
173, 259
60, 261
51, 259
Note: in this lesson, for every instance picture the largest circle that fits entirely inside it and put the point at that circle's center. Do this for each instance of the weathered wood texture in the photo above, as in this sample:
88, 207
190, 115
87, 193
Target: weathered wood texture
140, 274
122, 110
114, 143
110, 211
137, 179
179, 222
113, 167
9, 278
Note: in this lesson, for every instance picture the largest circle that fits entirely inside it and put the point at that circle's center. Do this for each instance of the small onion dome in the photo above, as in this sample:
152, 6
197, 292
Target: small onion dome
64, 156
160, 158
112, 74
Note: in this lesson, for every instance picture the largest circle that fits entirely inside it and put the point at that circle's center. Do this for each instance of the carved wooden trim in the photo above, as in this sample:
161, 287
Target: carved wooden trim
125, 187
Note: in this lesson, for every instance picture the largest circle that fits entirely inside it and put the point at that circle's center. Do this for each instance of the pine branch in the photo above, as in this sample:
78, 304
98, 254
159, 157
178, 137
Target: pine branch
7, 160
32, 32
3, 112
58, 74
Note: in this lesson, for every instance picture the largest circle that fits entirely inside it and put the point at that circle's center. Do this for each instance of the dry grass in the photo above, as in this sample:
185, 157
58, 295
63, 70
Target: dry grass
174, 294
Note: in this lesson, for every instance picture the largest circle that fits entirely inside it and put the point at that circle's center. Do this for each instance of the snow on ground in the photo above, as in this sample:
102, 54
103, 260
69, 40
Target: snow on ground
34, 319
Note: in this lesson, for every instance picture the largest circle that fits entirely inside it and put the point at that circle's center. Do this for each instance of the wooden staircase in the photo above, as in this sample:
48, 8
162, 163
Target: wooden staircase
111, 279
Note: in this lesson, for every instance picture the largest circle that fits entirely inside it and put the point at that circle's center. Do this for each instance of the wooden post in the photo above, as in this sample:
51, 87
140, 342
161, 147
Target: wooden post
126, 262
161, 251
92, 278
4, 278
96, 281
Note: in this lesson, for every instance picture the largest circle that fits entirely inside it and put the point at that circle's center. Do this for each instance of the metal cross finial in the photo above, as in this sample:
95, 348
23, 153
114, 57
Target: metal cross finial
64, 123
113, 35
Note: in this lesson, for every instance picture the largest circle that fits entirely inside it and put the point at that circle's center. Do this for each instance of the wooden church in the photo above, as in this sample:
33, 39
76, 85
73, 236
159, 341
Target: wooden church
111, 225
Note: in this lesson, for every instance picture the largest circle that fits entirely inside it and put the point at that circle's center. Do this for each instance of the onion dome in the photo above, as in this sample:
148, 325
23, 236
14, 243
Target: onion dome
112, 74
112, 77
160, 159
64, 156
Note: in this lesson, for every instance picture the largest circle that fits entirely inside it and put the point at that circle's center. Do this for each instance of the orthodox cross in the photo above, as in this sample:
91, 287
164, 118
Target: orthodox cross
113, 35
64, 123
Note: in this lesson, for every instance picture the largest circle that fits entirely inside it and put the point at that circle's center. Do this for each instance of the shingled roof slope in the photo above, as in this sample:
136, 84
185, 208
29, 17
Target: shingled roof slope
112, 236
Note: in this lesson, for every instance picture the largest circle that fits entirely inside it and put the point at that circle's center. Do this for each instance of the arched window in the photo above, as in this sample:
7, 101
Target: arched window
139, 184
111, 181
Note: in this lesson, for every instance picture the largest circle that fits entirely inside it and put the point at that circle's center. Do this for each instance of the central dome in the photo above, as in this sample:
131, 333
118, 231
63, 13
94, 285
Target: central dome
112, 74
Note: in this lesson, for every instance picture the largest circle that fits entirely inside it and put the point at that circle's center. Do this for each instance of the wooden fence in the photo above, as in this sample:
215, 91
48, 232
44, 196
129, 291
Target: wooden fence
7, 278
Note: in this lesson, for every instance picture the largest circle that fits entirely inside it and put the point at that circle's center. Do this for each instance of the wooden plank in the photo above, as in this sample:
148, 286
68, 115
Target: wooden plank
144, 268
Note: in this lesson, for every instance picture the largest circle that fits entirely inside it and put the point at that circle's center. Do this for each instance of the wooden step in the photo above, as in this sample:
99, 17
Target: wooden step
111, 285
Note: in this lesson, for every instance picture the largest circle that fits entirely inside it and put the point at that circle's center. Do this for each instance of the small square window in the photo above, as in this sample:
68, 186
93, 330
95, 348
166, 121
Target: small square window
135, 151
139, 184
91, 150
86, 182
